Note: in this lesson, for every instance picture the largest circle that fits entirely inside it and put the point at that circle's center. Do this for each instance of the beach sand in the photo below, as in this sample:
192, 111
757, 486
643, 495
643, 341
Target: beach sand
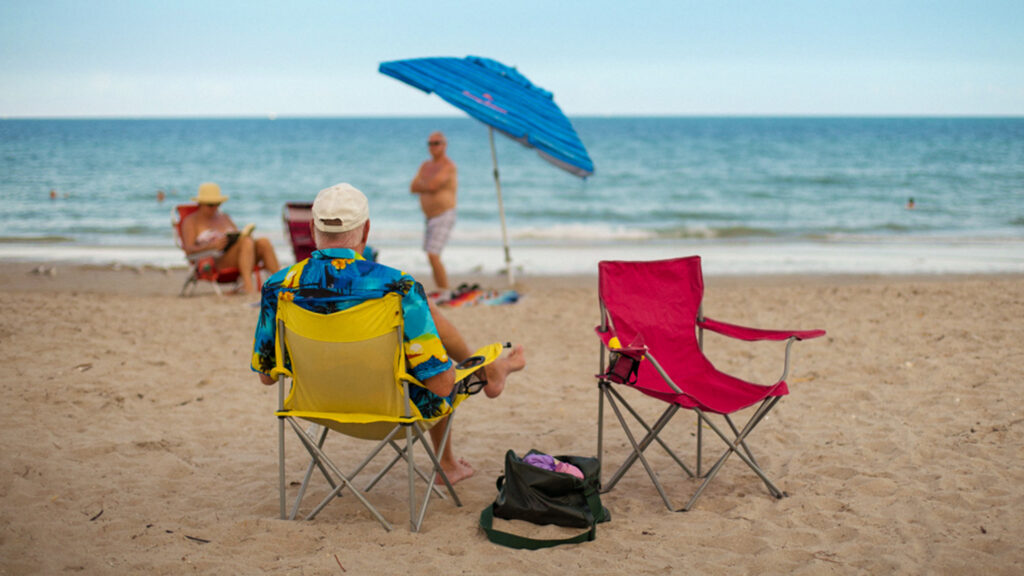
136, 439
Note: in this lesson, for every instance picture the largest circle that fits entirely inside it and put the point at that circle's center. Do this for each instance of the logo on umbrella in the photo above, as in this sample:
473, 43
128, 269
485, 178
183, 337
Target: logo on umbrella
487, 101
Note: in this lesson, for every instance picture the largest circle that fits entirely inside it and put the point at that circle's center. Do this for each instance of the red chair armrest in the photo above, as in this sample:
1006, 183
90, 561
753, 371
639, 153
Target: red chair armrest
631, 351
751, 334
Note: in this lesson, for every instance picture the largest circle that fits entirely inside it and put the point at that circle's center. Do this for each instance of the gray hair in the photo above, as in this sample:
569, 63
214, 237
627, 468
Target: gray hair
348, 239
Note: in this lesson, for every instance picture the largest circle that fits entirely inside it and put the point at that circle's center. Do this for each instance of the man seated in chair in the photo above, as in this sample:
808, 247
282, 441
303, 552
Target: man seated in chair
337, 273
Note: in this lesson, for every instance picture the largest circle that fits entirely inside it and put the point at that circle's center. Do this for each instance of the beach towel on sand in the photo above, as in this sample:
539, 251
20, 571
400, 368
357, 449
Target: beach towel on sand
473, 295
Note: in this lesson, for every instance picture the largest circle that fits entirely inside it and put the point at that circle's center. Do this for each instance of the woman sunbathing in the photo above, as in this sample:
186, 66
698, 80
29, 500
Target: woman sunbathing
209, 229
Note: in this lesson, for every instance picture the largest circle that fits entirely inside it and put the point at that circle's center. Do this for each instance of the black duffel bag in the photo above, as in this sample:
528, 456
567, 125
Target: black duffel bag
526, 492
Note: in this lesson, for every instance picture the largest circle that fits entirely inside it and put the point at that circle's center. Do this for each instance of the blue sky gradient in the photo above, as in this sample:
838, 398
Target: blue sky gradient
62, 58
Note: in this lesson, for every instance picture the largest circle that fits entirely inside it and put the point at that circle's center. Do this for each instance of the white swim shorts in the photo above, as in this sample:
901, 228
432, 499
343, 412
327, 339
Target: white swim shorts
439, 228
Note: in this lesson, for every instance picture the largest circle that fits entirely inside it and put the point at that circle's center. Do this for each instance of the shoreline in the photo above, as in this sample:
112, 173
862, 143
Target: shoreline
721, 257
58, 277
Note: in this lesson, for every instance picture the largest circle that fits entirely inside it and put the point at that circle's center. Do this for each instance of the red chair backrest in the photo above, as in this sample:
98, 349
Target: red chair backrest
655, 304
297, 216
182, 211
654, 299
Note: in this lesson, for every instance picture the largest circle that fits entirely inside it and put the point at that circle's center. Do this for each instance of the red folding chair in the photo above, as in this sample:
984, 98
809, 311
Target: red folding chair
203, 265
652, 341
296, 217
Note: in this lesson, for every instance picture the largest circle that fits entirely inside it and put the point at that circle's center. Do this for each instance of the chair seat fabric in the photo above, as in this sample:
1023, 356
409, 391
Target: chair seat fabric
710, 389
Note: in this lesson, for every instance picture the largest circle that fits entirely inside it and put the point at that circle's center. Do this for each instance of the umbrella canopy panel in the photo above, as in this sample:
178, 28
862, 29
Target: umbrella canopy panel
502, 98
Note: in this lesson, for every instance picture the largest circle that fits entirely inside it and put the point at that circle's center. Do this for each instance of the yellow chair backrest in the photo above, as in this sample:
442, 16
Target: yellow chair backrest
347, 367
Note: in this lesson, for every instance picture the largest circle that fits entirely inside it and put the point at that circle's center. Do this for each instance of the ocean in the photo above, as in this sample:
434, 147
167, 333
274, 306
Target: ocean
751, 195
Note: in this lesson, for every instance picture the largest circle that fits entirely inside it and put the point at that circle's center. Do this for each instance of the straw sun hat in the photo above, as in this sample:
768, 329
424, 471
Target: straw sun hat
209, 193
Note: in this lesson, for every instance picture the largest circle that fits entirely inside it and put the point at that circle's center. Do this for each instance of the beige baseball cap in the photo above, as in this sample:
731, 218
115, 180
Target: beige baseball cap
340, 208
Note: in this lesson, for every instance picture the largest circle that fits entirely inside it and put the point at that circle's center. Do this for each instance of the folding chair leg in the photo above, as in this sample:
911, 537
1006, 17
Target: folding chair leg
315, 451
189, 286
700, 445
417, 511
656, 438
761, 412
639, 448
738, 444
389, 440
743, 443
653, 435
412, 480
280, 462
415, 519
351, 476
434, 458
601, 391
399, 455
734, 447
313, 464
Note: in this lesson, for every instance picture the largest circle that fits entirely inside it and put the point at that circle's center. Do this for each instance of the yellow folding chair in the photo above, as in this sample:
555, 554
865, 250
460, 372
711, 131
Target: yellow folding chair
348, 375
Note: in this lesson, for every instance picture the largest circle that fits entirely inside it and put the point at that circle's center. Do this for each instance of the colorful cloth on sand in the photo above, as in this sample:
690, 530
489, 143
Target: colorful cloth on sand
472, 295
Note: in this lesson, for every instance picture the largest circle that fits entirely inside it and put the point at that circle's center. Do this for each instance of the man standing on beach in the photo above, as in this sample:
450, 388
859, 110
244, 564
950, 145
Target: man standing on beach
436, 183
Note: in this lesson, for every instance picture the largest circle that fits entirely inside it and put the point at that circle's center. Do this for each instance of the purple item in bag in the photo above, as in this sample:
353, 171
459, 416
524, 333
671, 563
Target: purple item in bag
540, 461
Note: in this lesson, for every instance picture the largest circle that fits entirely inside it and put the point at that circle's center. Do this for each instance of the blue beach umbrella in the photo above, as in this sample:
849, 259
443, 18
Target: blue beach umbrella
504, 100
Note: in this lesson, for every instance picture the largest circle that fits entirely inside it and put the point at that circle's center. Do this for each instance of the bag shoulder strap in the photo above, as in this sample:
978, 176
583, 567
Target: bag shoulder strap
522, 542
598, 514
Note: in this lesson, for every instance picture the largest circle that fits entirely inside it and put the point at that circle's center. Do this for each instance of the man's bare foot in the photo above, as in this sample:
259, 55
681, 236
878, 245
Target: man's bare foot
499, 370
460, 471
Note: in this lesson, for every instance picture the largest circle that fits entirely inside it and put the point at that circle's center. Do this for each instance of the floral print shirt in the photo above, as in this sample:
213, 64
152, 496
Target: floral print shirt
336, 279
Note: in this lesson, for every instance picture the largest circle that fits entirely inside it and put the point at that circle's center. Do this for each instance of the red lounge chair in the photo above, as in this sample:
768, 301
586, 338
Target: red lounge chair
652, 341
203, 265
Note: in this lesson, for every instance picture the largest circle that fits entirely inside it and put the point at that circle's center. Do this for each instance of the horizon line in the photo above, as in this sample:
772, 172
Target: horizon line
273, 117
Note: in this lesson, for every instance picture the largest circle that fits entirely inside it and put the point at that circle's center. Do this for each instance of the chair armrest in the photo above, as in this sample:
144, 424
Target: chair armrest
482, 357
751, 334
611, 342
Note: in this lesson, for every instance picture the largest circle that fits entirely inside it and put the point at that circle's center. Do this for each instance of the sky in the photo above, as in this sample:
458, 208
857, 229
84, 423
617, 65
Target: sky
185, 58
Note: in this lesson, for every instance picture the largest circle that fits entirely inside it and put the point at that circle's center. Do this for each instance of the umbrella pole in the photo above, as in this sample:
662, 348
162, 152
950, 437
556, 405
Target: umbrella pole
501, 209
